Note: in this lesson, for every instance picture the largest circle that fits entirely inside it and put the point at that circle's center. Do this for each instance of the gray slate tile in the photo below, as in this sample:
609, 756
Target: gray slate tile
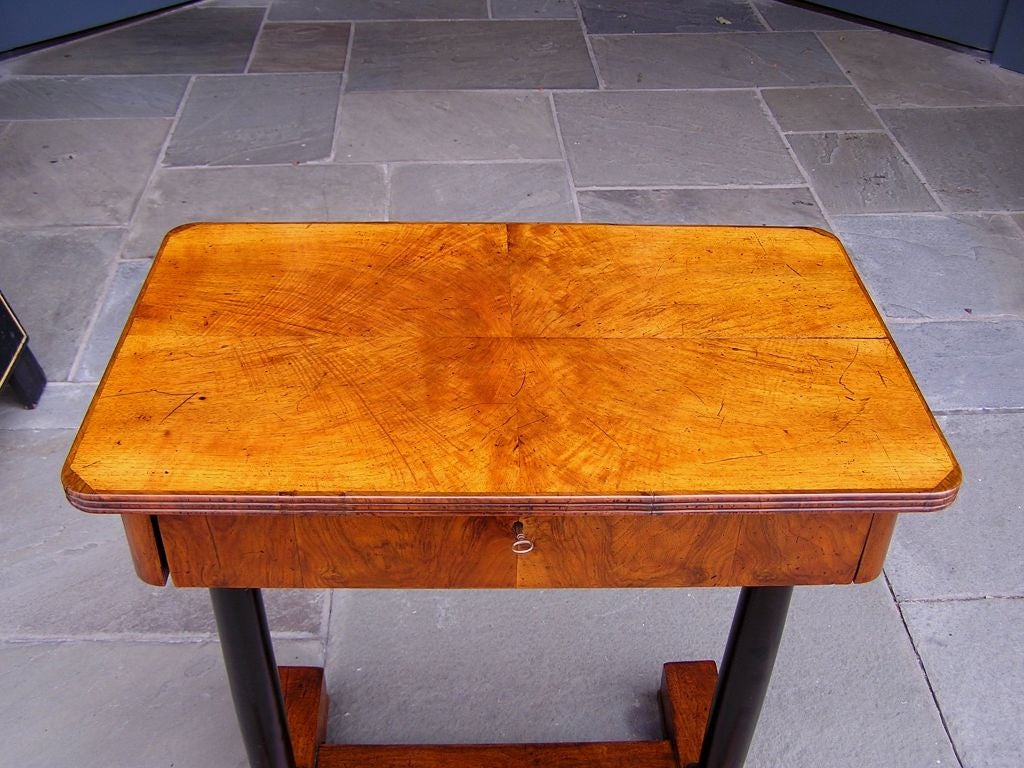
896, 71
971, 651
783, 17
62, 407
820, 109
663, 138
190, 41
938, 267
150, 694
860, 173
567, 674
280, 193
967, 364
447, 125
481, 192
986, 170
846, 658
256, 119
747, 207
714, 61
470, 54
533, 9
64, 97
117, 305
168, 703
67, 574
54, 279
301, 48
368, 10
587, 667
973, 548
605, 17
76, 171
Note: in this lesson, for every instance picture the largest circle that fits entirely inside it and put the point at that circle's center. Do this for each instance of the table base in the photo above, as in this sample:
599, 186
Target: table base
709, 719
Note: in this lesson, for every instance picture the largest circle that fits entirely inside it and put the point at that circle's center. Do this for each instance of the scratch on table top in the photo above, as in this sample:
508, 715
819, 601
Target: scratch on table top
175, 408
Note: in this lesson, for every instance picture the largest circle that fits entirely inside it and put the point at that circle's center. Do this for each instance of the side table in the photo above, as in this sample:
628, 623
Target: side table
521, 405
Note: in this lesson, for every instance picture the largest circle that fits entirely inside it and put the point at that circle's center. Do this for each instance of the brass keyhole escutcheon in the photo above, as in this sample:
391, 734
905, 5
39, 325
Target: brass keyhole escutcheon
521, 545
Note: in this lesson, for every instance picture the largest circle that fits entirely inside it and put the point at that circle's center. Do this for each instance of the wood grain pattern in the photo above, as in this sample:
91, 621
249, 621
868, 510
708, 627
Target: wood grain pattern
146, 548
305, 702
687, 689
358, 367
686, 692
350, 551
875, 547
635, 754
456, 551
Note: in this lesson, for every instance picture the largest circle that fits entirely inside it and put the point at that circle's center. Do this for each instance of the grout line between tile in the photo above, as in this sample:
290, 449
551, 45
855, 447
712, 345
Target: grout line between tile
611, 188
325, 619
965, 599
105, 118
796, 160
938, 214
590, 47
69, 384
706, 33
159, 162
182, 638
346, 67
874, 111
760, 16
490, 11
924, 670
423, 20
96, 76
101, 302
387, 191
256, 40
71, 228
1003, 410
840, 132
389, 91
565, 158
894, 107
505, 161
495, 161
991, 319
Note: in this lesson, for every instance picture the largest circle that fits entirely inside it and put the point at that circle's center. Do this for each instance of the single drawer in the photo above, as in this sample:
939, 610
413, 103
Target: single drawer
452, 551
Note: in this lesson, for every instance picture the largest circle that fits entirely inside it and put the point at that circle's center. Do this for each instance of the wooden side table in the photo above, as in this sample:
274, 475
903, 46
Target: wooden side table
522, 405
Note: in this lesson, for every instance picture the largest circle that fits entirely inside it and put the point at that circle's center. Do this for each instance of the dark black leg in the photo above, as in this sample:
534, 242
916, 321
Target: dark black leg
746, 669
252, 674
27, 379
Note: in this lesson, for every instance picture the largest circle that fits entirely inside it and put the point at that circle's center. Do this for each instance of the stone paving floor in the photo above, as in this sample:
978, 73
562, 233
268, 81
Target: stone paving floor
719, 111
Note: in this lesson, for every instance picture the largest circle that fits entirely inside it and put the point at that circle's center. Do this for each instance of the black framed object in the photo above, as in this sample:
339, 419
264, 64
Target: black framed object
19, 368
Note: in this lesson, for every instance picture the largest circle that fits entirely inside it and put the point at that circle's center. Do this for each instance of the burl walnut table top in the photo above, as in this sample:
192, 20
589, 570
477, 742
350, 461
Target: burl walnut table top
477, 367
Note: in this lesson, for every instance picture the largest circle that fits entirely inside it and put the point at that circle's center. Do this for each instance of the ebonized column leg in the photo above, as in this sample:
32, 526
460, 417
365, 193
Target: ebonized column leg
252, 674
746, 669
27, 379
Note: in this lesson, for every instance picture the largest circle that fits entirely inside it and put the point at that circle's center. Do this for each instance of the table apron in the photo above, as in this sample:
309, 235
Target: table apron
393, 551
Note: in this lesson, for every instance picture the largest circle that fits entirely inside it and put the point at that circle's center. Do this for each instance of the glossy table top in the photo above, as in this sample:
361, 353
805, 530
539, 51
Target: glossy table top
483, 367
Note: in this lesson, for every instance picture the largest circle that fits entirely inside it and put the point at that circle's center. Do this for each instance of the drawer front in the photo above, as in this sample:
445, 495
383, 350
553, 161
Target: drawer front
693, 550
569, 551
